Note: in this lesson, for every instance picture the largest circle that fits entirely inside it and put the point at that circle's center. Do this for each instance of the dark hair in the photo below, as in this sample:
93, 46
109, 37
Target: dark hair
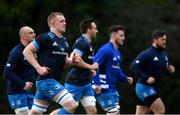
116, 28
158, 33
86, 24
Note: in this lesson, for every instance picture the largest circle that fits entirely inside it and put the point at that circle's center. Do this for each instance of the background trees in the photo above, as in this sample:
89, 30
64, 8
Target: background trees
139, 17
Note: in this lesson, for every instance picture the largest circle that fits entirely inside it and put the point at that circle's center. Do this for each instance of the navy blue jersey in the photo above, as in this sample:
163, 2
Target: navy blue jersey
109, 61
151, 62
52, 53
78, 75
17, 71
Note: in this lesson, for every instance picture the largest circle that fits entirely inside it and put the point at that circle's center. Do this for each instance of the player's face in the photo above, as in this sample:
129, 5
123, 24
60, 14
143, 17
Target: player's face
161, 42
120, 37
93, 30
29, 34
60, 23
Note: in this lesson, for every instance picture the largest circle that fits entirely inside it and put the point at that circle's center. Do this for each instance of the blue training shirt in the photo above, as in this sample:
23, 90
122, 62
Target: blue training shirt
17, 71
109, 60
78, 75
52, 53
151, 62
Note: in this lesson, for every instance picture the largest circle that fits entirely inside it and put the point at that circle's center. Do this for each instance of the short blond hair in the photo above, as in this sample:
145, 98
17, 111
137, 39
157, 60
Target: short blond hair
52, 16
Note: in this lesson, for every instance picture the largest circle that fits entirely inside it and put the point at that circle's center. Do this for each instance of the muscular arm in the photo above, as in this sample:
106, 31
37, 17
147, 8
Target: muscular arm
78, 61
29, 52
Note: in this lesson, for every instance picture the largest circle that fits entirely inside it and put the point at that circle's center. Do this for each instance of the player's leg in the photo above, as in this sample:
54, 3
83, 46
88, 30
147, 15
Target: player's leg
140, 109
116, 99
62, 96
88, 100
19, 103
39, 106
65, 99
146, 96
107, 103
158, 106
89, 104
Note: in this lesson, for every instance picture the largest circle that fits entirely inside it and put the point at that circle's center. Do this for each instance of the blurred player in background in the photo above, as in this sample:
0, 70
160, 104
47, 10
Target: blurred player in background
109, 60
150, 66
20, 74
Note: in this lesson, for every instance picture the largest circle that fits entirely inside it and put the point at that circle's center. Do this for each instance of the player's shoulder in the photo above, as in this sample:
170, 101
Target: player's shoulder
17, 50
106, 47
43, 36
81, 41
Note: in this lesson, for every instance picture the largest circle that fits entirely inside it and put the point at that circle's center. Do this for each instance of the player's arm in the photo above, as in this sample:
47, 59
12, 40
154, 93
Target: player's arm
137, 65
9, 70
29, 53
100, 58
76, 58
124, 78
171, 69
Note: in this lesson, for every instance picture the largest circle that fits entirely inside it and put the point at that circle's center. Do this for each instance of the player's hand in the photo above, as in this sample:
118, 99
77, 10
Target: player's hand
98, 89
151, 80
93, 72
94, 66
171, 69
42, 70
130, 80
28, 86
76, 59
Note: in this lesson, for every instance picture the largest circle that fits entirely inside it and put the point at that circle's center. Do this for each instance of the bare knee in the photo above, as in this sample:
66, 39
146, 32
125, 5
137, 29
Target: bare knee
72, 107
21, 111
91, 110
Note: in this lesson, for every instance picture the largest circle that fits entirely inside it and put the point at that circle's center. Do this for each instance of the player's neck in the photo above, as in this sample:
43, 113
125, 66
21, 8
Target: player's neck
87, 37
25, 43
56, 32
114, 44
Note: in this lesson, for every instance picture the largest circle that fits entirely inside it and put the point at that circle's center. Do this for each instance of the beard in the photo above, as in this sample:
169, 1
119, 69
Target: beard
161, 47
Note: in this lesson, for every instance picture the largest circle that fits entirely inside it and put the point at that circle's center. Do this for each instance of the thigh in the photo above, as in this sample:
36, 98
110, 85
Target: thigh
144, 91
48, 89
30, 98
116, 99
18, 101
87, 90
106, 101
158, 106
76, 91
